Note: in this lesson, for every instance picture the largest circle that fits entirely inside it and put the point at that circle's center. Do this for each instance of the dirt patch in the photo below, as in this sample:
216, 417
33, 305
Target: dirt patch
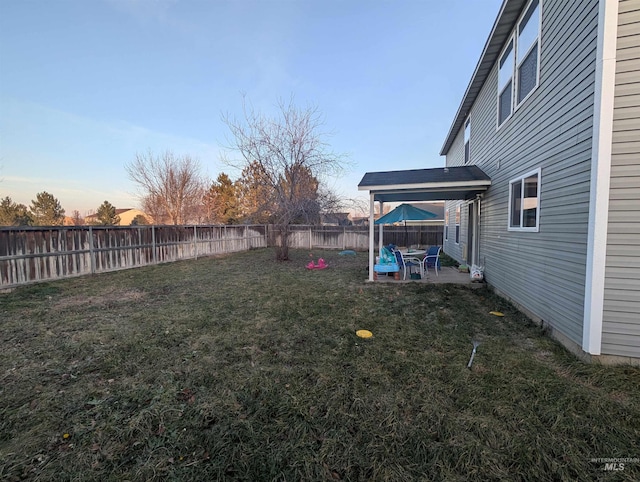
110, 298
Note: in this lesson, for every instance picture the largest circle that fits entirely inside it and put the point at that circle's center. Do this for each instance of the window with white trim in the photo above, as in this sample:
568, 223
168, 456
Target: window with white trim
524, 202
520, 61
527, 53
446, 225
458, 224
467, 138
505, 84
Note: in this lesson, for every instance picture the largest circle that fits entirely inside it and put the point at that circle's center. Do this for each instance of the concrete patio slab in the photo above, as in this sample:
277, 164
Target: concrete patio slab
447, 275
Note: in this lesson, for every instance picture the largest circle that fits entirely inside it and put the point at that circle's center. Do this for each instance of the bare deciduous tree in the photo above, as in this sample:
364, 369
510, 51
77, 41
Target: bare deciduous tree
288, 160
78, 220
359, 206
171, 186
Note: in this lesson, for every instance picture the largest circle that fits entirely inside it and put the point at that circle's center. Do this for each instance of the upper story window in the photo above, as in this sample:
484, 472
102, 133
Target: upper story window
519, 61
524, 202
527, 61
467, 137
505, 84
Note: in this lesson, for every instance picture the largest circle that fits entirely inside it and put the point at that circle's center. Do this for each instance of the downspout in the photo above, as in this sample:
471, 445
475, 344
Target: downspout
479, 223
600, 176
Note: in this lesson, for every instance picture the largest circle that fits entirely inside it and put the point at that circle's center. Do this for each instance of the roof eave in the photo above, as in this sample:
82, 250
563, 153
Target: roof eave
499, 33
428, 185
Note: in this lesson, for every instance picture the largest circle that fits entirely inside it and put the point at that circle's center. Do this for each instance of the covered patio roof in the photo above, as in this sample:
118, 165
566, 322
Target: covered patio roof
439, 184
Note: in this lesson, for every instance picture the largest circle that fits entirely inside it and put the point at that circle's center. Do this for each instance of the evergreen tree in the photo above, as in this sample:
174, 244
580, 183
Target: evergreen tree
106, 215
139, 220
46, 210
221, 201
256, 195
13, 214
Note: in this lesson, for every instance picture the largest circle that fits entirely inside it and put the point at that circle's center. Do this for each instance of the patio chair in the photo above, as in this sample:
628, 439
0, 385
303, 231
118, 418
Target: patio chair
405, 262
432, 259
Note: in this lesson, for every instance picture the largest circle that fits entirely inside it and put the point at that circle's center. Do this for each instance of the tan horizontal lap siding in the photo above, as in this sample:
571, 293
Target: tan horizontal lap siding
621, 321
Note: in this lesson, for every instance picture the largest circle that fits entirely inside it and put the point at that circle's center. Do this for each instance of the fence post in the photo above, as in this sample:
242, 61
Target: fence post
310, 242
195, 241
246, 238
92, 260
153, 244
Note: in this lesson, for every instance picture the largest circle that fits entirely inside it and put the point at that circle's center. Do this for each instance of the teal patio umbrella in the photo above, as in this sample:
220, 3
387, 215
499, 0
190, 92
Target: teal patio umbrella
403, 213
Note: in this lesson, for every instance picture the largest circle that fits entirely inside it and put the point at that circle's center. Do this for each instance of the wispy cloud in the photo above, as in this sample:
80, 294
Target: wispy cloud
80, 160
36, 128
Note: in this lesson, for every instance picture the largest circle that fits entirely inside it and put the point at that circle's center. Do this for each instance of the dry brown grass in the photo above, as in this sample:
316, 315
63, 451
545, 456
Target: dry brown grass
241, 368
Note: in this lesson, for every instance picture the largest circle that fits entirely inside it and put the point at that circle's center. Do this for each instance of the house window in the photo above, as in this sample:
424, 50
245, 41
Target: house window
524, 202
446, 225
520, 61
505, 84
458, 224
467, 137
527, 58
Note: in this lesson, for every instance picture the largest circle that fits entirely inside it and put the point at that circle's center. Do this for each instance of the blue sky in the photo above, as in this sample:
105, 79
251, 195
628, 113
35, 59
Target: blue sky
87, 84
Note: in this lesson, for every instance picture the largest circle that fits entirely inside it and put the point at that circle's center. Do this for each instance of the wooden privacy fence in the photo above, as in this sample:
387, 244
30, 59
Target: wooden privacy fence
32, 254
39, 254
357, 237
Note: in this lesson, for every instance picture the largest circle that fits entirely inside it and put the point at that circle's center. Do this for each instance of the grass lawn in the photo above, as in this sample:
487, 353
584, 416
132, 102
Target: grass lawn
242, 368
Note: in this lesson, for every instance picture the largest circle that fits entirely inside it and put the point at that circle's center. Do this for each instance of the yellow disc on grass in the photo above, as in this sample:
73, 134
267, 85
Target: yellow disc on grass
496, 313
364, 333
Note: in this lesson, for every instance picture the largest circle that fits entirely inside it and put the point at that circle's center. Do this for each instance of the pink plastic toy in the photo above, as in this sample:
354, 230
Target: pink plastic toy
321, 264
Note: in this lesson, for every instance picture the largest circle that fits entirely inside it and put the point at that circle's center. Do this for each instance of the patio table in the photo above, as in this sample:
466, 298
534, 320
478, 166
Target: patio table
413, 252
418, 255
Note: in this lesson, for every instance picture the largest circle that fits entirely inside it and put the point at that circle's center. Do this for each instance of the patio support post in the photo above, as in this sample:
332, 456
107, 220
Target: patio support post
380, 230
371, 237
